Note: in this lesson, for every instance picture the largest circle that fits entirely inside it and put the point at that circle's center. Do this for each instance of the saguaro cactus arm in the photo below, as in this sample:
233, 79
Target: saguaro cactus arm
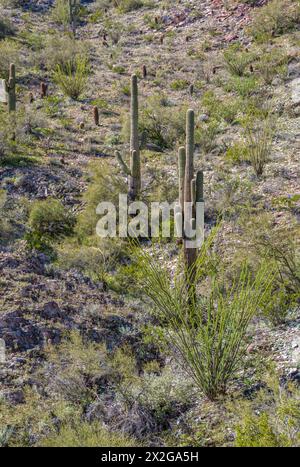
122, 163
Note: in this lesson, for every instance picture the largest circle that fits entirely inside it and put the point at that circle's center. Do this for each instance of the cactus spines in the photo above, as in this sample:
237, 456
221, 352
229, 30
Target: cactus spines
43, 89
11, 88
134, 133
144, 70
96, 115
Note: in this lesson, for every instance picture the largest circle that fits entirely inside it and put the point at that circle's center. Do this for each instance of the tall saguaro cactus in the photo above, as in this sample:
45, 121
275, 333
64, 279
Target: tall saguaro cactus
134, 130
134, 171
189, 253
11, 88
190, 193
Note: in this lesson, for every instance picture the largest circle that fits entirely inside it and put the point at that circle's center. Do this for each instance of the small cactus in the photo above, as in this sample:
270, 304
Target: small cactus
144, 70
43, 89
96, 115
191, 90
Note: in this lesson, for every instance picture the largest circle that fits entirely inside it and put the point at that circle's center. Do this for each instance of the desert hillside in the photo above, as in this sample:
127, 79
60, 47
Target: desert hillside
114, 341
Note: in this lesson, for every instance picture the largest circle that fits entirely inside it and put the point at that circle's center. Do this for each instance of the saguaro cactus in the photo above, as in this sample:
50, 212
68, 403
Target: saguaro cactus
190, 193
96, 115
134, 172
11, 89
43, 89
134, 126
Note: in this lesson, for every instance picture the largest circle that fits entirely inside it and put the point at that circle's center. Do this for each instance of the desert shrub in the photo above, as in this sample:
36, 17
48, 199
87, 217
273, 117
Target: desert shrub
237, 60
48, 220
6, 28
159, 122
205, 135
244, 86
95, 260
271, 420
105, 185
6, 229
71, 367
279, 246
61, 50
18, 134
61, 12
275, 18
149, 398
127, 5
83, 434
179, 84
72, 77
208, 332
220, 108
271, 64
259, 137
9, 53
34, 419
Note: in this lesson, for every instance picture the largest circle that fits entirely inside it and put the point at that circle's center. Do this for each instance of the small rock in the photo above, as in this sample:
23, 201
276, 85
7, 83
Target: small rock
203, 118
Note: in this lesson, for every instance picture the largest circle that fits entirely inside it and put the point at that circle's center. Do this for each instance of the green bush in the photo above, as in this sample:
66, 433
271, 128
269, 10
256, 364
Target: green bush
9, 53
262, 240
83, 434
160, 123
105, 185
72, 77
237, 60
271, 420
244, 86
275, 18
61, 50
48, 220
6, 28
127, 5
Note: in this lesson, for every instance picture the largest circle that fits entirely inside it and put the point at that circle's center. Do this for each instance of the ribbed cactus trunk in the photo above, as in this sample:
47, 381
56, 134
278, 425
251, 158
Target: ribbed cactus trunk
190, 254
11, 88
135, 163
181, 172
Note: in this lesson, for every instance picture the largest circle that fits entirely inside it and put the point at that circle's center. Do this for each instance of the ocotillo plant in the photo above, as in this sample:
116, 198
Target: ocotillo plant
190, 191
134, 172
11, 88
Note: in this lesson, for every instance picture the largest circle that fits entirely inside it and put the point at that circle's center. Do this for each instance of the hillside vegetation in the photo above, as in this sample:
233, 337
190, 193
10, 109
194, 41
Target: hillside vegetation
120, 342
